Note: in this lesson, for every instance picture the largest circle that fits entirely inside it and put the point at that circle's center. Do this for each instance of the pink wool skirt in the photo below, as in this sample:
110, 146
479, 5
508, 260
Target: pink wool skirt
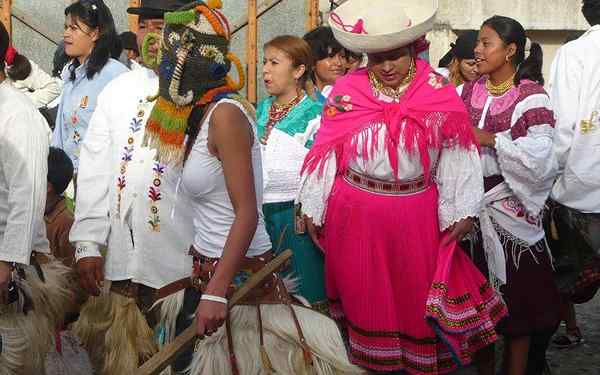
405, 302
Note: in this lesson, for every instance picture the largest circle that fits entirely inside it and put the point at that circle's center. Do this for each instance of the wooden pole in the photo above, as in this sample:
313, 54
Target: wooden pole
263, 7
312, 21
162, 359
5, 14
132, 19
252, 50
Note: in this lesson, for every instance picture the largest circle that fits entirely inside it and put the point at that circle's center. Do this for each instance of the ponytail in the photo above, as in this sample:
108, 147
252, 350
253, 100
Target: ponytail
531, 67
20, 68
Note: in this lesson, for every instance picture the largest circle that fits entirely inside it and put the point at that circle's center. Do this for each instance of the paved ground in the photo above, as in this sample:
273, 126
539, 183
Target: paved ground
581, 360
584, 359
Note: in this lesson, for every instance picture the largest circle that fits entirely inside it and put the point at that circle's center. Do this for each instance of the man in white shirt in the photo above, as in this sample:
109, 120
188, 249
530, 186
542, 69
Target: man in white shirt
575, 94
129, 203
24, 146
23, 167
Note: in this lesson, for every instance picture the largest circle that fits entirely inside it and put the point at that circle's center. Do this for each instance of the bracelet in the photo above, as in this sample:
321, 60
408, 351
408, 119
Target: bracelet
210, 297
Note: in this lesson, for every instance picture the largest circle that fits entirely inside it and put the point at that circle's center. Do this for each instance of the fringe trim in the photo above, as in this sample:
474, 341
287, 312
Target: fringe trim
434, 130
520, 247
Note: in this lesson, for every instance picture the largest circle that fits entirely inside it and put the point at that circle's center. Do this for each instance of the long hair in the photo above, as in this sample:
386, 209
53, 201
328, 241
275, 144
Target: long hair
95, 14
298, 50
511, 31
591, 11
20, 69
455, 76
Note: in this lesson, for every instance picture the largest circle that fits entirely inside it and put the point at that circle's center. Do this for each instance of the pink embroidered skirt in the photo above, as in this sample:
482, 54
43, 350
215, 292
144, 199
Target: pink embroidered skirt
405, 302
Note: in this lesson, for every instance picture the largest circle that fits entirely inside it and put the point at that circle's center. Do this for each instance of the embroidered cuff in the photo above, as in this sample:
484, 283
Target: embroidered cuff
86, 249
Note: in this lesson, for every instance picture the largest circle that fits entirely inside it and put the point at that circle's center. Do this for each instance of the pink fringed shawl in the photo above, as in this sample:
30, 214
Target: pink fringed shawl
352, 110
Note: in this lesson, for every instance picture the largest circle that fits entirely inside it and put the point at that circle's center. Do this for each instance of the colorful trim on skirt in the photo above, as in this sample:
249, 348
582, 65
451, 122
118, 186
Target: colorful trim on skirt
405, 302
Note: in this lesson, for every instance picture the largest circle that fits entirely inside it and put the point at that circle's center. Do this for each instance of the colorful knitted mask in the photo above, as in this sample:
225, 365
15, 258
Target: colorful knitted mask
195, 61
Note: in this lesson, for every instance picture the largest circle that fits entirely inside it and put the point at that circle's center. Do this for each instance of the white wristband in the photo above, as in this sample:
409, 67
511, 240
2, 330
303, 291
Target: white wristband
210, 297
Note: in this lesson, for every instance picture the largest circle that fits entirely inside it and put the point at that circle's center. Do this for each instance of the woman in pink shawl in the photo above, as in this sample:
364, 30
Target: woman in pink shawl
392, 182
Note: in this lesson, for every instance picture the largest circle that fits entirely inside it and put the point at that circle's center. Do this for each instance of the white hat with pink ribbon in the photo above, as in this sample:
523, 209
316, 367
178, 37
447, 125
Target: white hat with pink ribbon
372, 26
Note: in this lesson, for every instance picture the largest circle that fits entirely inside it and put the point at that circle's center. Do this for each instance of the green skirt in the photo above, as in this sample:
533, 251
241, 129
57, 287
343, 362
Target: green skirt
307, 261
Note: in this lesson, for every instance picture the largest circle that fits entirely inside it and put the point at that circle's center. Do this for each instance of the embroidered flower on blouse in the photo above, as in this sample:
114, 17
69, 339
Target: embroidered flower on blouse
339, 103
155, 196
437, 81
514, 206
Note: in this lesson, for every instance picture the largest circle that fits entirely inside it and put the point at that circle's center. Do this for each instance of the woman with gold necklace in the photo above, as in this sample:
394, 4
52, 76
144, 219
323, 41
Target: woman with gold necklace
283, 125
392, 183
514, 123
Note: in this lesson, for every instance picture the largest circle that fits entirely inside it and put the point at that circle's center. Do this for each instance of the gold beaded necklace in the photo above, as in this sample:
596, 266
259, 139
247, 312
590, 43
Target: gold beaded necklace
396, 93
500, 89
277, 112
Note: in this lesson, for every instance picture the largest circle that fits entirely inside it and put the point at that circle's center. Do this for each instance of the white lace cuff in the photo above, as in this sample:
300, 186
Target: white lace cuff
460, 183
86, 249
315, 190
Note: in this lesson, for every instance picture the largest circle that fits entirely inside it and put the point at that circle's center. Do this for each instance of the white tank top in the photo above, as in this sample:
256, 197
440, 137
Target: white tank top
203, 181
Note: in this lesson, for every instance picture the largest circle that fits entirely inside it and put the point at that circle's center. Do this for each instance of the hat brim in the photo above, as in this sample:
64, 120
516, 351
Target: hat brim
147, 12
423, 22
364, 43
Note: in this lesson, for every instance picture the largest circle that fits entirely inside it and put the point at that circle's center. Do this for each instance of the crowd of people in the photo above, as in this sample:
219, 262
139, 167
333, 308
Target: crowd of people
430, 211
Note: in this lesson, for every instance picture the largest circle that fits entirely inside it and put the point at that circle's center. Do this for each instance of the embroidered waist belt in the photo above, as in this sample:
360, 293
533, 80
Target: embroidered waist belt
374, 185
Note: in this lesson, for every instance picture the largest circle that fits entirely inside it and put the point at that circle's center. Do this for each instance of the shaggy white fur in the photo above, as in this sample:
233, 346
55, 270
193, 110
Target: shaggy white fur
26, 338
281, 341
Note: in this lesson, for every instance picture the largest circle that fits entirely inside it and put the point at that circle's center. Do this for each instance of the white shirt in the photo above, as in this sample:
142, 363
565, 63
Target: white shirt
40, 87
204, 180
23, 176
575, 92
135, 250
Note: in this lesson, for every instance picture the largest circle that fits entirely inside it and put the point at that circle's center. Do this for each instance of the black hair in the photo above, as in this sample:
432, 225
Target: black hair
322, 43
60, 60
20, 68
591, 11
95, 14
511, 31
4, 43
60, 170
129, 41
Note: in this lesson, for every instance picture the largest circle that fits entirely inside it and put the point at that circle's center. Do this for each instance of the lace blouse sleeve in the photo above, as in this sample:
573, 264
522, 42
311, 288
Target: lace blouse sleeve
525, 153
460, 184
315, 190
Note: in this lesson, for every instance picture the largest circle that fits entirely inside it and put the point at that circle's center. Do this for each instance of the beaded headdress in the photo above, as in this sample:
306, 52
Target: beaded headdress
194, 63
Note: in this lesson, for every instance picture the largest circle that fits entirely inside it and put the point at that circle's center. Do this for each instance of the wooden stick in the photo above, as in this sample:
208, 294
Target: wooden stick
5, 15
252, 50
132, 19
163, 358
313, 14
263, 7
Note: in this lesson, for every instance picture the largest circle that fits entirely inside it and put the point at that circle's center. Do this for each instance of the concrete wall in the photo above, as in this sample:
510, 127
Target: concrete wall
288, 17
547, 21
